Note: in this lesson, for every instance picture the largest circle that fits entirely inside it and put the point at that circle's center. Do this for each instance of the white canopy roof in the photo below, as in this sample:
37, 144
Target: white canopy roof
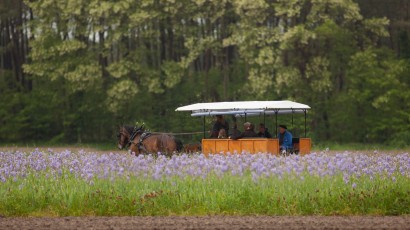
244, 107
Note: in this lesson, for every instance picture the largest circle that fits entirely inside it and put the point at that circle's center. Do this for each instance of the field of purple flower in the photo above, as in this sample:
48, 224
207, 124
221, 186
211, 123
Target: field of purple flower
66, 183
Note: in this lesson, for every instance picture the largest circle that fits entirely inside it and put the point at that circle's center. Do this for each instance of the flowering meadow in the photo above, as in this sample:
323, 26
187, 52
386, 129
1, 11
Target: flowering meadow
66, 183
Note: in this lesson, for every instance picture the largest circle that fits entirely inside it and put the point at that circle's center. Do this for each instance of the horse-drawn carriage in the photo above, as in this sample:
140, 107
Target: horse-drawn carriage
245, 109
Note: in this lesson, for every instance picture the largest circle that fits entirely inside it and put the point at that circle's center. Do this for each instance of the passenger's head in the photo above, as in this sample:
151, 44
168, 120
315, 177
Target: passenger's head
282, 128
219, 117
247, 126
222, 133
262, 128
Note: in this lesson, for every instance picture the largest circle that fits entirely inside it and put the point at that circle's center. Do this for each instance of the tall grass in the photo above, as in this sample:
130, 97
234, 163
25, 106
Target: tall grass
41, 196
54, 189
335, 146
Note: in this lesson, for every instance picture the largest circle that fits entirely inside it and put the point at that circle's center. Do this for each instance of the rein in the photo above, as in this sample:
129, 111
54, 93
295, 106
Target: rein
132, 136
143, 136
177, 134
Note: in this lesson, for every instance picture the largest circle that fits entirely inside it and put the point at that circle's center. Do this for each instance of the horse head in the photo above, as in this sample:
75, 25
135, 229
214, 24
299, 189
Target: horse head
123, 136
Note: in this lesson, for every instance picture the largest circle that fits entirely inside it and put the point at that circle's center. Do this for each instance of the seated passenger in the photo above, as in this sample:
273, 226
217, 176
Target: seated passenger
219, 124
285, 138
235, 132
248, 127
222, 134
263, 131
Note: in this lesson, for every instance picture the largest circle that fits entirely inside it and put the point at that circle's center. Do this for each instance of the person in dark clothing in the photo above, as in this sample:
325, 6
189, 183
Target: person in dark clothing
235, 132
263, 131
248, 127
219, 124
285, 138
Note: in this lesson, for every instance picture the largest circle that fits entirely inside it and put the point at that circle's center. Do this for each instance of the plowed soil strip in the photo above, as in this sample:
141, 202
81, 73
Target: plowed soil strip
210, 222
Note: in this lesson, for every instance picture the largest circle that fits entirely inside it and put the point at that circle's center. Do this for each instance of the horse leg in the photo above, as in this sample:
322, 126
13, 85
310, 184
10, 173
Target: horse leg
173, 147
142, 148
159, 144
169, 144
179, 145
134, 150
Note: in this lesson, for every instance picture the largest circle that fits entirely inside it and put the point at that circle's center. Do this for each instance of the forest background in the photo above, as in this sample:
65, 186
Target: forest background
72, 71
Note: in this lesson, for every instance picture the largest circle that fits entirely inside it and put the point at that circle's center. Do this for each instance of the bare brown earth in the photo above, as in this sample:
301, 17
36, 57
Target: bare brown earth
210, 222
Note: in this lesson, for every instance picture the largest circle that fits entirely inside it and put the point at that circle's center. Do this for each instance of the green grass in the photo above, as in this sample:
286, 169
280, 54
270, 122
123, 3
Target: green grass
229, 195
334, 146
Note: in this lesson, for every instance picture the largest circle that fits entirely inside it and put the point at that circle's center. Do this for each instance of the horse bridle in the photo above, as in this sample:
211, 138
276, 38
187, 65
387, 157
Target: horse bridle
131, 137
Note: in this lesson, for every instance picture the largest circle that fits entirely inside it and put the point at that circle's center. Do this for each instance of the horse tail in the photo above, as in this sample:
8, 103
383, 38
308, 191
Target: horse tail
179, 144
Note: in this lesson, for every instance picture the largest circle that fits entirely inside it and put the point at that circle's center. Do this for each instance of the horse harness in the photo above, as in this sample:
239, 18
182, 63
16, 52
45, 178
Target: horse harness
143, 136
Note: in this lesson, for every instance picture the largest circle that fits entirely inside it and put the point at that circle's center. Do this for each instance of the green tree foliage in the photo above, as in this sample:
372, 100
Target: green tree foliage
74, 70
378, 86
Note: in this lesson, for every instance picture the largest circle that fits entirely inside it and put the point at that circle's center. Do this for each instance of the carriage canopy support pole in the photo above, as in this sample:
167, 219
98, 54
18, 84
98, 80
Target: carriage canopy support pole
204, 125
276, 123
264, 118
305, 122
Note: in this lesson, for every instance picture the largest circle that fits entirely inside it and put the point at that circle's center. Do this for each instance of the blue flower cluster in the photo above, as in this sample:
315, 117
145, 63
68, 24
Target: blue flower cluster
89, 166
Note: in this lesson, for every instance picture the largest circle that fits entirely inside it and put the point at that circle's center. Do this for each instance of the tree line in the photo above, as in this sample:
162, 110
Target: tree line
72, 71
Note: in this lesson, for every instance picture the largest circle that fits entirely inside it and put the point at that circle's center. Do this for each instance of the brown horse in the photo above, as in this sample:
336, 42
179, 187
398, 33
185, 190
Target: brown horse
124, 136
141, 142
192, 148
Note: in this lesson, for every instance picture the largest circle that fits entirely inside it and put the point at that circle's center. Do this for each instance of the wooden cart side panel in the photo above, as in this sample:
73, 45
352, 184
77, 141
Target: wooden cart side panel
221, 146
235, 147
208, 146
273, 146
247, 145
260, 145
305, 145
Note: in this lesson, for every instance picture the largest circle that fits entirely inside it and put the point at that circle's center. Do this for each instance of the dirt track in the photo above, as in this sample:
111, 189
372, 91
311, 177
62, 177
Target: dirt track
210, 222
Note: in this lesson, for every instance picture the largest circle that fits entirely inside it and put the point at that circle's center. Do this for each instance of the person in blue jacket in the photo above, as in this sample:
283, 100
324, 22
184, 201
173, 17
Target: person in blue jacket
285, 138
